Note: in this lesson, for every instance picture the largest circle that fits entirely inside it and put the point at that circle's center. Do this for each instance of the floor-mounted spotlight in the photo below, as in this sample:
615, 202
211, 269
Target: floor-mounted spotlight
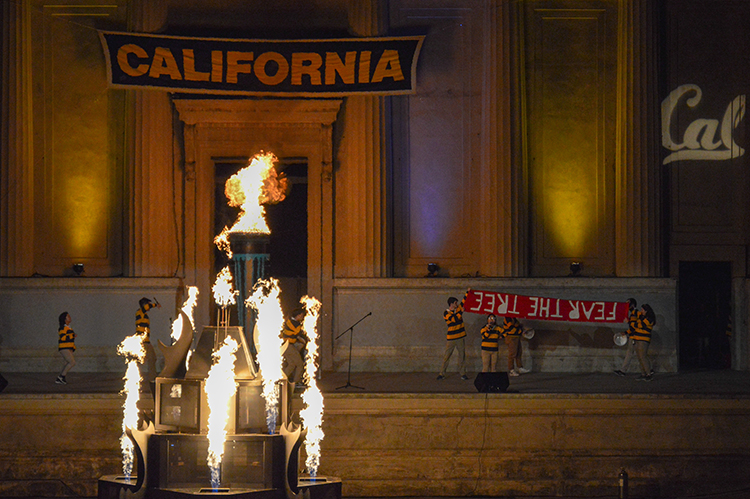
575, 269
78, 268
432, 269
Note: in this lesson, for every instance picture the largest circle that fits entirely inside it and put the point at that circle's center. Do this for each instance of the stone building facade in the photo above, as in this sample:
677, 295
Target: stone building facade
607, 133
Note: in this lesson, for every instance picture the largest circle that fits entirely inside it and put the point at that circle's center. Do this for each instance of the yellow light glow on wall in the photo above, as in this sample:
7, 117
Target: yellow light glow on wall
85, 215
570, 207
571, 92
80, 197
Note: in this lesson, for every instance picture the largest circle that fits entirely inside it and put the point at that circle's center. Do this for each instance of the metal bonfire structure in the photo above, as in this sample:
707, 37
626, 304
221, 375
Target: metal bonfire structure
257, 462
257, 465
250, 256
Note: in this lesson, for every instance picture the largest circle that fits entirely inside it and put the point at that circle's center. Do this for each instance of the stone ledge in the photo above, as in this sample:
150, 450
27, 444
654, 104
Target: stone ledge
15, 284
381, 445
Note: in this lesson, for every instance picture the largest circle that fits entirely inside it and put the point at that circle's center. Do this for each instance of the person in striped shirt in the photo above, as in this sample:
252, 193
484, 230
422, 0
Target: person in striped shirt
632, 320
490, 336
66, 346
642, 335
143, 329
456, 336
512, 331
294, 342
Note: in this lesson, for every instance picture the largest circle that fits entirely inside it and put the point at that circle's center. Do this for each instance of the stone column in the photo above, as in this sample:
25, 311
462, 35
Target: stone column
502, 227
16, 134
190, 195
152, 245
361, 180
638, 176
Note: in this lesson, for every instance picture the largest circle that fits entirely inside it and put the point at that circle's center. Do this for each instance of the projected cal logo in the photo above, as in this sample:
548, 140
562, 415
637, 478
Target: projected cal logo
699, 141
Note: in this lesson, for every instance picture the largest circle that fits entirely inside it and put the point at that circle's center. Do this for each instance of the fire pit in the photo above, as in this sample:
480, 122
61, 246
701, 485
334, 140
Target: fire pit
239, 452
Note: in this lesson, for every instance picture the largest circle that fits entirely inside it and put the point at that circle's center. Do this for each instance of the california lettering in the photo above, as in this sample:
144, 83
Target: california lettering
263, 67
545, 309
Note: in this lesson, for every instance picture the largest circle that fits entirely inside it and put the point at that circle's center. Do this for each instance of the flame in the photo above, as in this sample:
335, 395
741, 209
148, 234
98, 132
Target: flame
224, 292
312, 411
219, 388
132, 349
188, 308
265, 300
249, 189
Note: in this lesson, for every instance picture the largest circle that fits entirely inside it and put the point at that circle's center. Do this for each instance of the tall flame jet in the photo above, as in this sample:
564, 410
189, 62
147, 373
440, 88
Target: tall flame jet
312, 412
132, 349
265, 300
220, 386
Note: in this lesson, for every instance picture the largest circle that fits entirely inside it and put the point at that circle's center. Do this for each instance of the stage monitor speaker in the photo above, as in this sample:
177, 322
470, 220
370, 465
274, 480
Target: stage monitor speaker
492, 382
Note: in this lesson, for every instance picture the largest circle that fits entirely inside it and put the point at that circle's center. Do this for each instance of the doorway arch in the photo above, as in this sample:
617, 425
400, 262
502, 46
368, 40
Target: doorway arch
302, 128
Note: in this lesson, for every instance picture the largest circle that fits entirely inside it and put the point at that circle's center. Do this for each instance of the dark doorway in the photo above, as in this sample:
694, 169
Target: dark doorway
286, 220
288, 244
704, 297
288, 224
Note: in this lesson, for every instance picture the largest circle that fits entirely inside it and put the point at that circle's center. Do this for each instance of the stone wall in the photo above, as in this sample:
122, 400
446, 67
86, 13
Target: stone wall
102, 312
438, 445
58, 445
406, 331
508, 445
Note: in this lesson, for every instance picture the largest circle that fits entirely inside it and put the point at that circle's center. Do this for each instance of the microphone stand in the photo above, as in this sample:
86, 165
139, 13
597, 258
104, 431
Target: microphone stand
349, 373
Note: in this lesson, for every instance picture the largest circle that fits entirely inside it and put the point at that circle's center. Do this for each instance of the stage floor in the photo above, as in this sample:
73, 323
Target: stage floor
723, 383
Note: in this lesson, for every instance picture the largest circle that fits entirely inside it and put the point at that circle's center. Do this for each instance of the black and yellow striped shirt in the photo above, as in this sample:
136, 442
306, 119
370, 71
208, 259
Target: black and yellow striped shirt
455, 322
490, 336
292, 332
143, 323
642, 328
511, 327
66, 340
632, 322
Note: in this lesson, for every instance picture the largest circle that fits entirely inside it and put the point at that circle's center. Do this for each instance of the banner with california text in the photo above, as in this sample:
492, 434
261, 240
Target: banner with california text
545, 309
313, 68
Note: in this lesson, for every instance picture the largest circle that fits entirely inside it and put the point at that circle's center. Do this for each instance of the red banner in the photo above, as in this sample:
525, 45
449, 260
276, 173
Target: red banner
545, 309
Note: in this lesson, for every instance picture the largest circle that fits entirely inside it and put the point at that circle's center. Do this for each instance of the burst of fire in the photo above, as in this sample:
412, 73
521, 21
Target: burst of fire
312, 411
188, 308
132, 349
249, 189
220, 386
270, 319
224, 292
224, 295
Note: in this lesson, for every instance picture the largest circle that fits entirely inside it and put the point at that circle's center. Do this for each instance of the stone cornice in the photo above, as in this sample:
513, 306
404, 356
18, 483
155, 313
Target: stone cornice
586, 283
226, 111
89, 283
